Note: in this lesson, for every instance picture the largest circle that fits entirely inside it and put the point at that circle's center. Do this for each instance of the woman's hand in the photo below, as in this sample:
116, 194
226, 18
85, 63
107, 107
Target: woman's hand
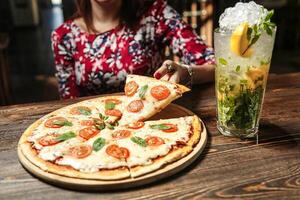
173, 72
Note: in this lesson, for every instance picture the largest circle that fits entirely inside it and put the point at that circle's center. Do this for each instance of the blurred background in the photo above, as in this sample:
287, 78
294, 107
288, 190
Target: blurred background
26, 60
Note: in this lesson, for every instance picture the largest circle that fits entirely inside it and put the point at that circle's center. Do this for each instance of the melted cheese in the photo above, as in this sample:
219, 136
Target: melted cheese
143, 155
150, 103
53, 152
41, 131
100, 160
94, 162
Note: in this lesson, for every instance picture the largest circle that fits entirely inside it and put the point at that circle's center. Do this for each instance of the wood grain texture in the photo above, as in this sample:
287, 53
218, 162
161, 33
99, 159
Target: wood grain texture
229, 168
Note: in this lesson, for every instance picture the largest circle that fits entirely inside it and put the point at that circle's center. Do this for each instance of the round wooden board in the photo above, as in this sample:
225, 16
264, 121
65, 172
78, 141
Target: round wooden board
171, 111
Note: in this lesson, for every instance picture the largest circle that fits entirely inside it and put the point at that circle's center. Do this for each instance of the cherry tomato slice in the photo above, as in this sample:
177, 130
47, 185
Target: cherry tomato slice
49, 122
131, 88
121, 134
48, 140
135, 106
80, 151
88, 132
117, 152
114, 101
154, 141
135, 125
113, 112
160, 92
87, 122
173, 128
76, 110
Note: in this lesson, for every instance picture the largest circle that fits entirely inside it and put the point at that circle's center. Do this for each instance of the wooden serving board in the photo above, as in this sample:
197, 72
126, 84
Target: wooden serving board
171, 111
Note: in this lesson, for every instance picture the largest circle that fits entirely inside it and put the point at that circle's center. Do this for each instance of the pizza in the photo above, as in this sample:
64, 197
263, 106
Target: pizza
147, 96
111, 138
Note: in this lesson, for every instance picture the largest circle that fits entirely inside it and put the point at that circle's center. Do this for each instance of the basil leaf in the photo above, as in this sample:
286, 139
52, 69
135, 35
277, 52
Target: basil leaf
109, 105
109, 126
100, 126
142, 91
84, 111
98, 144
66, 136
139, 141
103, 117
160, 126
62, 123
222, 61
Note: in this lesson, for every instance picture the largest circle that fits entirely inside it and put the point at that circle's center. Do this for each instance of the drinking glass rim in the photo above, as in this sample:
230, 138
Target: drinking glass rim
217, 31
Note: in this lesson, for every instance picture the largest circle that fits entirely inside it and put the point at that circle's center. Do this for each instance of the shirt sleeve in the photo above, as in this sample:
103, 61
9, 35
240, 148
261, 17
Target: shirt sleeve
64, 65
181, 38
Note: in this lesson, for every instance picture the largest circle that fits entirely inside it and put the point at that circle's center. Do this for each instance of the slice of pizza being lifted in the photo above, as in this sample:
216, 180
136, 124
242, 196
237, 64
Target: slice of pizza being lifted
147, 96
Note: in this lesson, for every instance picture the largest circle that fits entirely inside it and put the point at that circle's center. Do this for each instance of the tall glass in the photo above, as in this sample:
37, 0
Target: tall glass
241, 84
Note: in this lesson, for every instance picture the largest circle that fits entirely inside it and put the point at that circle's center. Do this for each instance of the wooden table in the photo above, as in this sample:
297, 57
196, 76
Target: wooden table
229, 167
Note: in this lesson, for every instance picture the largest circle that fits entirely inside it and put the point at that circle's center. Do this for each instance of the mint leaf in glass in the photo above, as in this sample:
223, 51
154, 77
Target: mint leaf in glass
222, 61
238, 68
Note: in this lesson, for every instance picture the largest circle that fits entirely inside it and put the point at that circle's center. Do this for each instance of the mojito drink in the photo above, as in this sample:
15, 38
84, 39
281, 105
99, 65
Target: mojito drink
243, 47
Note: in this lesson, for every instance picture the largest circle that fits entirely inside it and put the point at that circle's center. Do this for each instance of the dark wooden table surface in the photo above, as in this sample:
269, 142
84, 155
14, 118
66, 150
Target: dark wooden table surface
228, 168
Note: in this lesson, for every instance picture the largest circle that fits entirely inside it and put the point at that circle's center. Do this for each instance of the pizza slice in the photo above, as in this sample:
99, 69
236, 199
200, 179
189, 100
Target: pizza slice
73, 150
153, 144
147, 96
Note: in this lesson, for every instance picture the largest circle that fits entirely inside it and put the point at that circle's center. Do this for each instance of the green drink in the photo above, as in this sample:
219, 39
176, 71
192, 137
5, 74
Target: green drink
243, 55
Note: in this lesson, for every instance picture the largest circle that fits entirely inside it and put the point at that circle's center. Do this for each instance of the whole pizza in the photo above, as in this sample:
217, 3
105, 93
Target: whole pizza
111, 138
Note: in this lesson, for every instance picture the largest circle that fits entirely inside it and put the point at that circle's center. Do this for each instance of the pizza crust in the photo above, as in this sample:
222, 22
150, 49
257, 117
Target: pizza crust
158, 163
196, 133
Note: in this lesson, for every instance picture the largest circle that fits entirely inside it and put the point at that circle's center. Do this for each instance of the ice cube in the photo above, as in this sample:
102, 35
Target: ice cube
242, 12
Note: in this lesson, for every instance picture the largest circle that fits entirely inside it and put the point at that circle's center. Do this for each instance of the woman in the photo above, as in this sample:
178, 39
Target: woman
107, 39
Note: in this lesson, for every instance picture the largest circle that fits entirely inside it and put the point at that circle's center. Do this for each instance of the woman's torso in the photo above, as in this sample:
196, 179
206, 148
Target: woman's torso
102, 61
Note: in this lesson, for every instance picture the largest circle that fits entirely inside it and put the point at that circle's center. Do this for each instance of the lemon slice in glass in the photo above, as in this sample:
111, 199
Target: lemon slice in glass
239, 43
